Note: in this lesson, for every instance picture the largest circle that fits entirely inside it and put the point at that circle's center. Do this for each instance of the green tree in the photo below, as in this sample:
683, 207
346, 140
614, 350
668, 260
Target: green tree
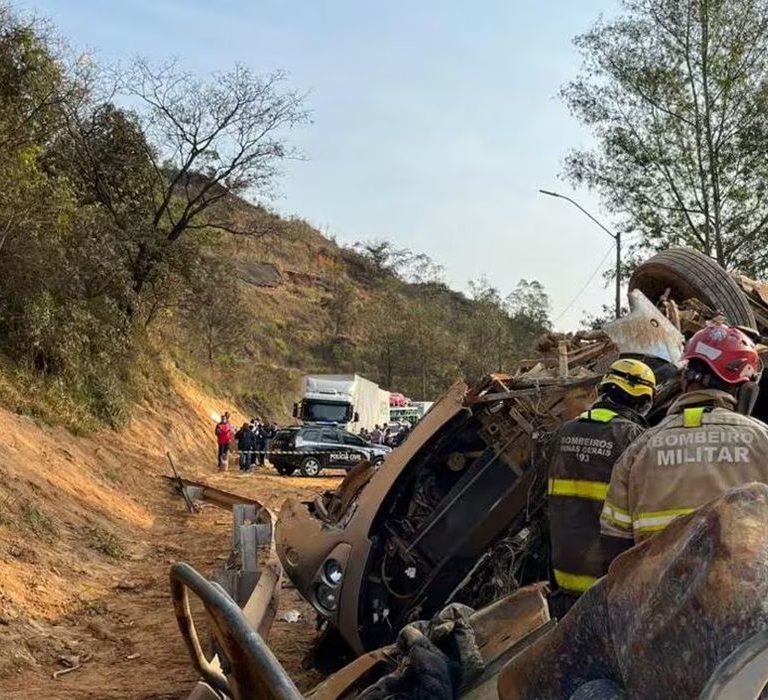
33, 85
487, 331
675, 93
107, 211
387, 335
216, 311
340, 304
528, 309
429, 350
385, 260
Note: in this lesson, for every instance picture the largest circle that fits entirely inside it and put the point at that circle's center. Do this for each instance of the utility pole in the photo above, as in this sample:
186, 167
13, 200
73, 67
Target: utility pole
616, 237
618, 273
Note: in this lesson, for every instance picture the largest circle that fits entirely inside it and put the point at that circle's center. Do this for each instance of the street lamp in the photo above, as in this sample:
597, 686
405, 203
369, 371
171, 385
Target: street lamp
616, 237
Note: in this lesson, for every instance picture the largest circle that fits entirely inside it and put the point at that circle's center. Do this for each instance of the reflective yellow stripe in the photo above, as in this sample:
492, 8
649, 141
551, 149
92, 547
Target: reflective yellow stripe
693, 417
596, 490
616, 516
574, 582
653, 528
658, 520
619, 514
663, 513
601, 415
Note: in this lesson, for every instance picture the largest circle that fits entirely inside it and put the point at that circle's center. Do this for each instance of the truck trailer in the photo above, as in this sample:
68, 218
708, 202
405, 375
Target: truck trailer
347, 400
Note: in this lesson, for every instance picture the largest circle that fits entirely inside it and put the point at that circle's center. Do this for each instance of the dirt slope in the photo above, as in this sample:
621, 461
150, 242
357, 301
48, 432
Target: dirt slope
88, 529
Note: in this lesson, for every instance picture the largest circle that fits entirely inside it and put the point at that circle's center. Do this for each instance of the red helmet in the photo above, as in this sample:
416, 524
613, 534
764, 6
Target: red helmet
727, 351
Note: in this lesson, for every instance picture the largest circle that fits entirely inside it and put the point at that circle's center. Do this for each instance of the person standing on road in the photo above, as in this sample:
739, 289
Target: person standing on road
232, 431
700, 450
253, 426
224, 437
259, 432
246, 444
376, 435
582, 454
270, 430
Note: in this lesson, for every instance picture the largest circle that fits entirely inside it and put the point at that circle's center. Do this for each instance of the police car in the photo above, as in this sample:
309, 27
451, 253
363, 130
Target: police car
312, 448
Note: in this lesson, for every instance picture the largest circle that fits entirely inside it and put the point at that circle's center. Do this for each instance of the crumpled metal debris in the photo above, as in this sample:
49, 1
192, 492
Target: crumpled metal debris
666, 614
646, 331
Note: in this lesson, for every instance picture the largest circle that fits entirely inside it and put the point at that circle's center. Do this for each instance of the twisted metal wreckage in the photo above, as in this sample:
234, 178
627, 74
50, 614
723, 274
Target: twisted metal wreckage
457, 513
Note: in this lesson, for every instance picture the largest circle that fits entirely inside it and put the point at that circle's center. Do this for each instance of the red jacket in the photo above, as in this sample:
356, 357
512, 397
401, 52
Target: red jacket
224, 433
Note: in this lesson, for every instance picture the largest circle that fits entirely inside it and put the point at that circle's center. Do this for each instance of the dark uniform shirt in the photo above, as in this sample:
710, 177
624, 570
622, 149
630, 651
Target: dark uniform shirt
582, 454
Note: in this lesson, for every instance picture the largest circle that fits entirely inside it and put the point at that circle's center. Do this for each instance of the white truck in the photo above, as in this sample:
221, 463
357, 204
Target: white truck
347, 400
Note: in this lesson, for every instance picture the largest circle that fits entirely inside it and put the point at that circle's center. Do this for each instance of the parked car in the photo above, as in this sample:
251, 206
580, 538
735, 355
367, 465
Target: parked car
312, 448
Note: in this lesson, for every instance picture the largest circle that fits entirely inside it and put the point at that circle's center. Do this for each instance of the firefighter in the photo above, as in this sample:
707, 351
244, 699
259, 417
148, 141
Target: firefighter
583, 452
700, 450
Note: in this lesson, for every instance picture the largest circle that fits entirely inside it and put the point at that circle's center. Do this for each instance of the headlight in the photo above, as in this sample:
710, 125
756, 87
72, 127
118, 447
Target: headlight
326, 597
333, 572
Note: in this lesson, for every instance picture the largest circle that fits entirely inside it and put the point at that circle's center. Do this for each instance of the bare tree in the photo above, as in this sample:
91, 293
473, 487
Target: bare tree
403, 263
212, 137
201, 141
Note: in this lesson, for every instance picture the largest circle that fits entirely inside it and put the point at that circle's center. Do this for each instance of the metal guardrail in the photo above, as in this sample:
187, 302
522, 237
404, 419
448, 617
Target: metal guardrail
248, 663
218, 497
240, 602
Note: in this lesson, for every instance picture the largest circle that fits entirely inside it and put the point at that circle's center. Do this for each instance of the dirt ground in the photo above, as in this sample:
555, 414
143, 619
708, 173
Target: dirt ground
88, 529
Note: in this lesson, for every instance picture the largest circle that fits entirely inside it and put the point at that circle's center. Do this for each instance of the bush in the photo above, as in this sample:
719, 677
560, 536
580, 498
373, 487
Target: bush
38, 521
107, 543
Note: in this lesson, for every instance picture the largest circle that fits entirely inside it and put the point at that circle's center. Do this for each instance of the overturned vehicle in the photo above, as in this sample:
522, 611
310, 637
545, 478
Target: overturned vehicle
455, 521
681, 615
457, 513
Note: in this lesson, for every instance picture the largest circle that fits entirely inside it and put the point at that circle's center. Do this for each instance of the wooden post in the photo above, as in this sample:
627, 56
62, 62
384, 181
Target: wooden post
190, 506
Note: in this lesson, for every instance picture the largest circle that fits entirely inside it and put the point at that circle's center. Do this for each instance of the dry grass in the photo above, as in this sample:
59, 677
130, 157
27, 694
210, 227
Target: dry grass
38, 521
107, 543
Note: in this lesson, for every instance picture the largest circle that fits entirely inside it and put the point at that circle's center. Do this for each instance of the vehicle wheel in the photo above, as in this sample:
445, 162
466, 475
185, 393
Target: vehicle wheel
690, 274
311, 466
378, 461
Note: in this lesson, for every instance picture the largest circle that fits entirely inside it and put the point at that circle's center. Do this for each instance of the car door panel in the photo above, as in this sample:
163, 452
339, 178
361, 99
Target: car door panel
334, 451
358, 450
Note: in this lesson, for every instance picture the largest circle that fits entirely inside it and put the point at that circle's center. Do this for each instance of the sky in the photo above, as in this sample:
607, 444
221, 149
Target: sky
434, 123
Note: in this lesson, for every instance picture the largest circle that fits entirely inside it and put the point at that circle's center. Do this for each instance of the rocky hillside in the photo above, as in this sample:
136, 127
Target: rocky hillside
305, 304
125, 240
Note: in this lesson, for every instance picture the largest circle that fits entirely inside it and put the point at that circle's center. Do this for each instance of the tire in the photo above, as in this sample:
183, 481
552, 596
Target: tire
691, 274
311, 466
377, 461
